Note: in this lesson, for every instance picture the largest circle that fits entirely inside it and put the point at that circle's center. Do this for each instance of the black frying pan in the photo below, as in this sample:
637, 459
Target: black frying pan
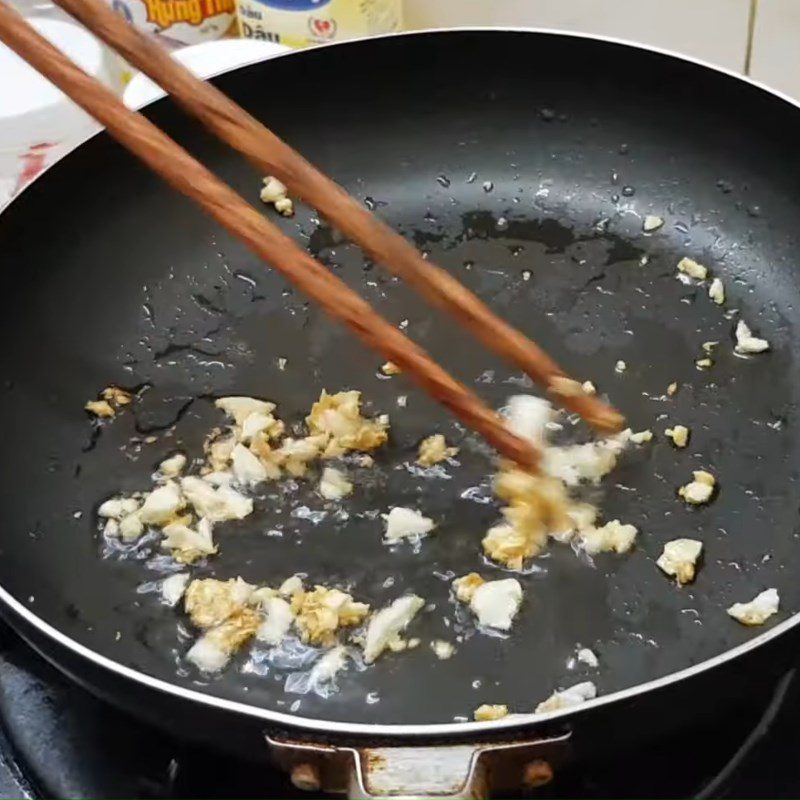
496, 152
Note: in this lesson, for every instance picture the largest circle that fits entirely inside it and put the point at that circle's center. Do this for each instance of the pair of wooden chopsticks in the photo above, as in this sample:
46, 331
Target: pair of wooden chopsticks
272, 156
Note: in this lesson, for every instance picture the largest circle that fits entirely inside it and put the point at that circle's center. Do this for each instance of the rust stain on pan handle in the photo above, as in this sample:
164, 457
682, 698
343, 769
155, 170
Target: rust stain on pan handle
472, 770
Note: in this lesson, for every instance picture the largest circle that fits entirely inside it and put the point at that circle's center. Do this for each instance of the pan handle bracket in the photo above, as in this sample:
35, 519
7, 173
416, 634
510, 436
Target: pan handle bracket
474, 770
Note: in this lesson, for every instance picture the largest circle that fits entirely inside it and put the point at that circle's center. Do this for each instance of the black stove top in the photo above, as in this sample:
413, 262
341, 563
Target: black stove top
58, 741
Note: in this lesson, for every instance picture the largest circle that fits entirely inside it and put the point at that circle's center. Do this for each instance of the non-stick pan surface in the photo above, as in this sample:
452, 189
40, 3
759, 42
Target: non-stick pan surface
523, 163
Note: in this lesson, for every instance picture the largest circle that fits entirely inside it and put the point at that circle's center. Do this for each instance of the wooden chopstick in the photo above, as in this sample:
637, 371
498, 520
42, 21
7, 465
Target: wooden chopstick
273, 156
184, 173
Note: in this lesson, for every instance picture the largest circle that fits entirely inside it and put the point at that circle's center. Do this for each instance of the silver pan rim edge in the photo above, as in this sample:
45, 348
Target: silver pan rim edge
448, 729
438, 730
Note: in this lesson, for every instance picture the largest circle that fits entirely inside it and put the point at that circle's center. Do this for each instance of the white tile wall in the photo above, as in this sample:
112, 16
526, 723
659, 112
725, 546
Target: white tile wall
776, 45
714, 30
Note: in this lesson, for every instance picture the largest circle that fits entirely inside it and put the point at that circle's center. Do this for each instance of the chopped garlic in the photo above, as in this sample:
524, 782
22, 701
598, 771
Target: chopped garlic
277, 623
211, 652
290, 586
100, 408
217, 479
488, 713
390, 368
118, 507
173, 466
652, 223
746, 343
295, 454
708, 347
131, 527
590, 461
284, 206
405, 523
388, 623
218, 451
256, 423
692, 269
161, 504
338, 418
274, 192
758, 610
510, 545
334, 485
588, 387
112, 398
187, 544
117, 396
613, 536
496, 603
699, 490
207, 656
679, 435
537, 504
716, 291
217, 505
672, 389
588, 657
442, 649
704, 363
321, 612
620, 366
466, 585
581, 516
433, 450
239, 408
527, 416
679, 559
173, 587
209, 602
568, 698
641, 437
246, 467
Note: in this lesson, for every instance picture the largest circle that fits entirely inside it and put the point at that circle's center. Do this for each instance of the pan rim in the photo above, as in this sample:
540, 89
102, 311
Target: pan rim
453, 730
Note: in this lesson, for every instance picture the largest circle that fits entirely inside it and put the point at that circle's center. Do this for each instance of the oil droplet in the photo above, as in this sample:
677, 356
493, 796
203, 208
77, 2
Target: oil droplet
547, 114
628, 191
471, 177
487, 186
369, 202
243, 276
443, 180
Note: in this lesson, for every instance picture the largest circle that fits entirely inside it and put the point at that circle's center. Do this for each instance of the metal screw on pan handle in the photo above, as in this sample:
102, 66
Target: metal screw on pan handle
447, 770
